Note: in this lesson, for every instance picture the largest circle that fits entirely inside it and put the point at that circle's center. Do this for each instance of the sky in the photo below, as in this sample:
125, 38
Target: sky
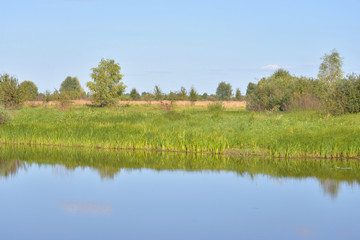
174, 43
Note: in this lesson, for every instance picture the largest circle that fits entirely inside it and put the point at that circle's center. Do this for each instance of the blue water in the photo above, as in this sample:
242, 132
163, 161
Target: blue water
52, 202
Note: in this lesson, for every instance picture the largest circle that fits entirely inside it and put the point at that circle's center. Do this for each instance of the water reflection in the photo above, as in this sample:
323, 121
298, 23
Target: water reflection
330, 187
9, 167
331, 174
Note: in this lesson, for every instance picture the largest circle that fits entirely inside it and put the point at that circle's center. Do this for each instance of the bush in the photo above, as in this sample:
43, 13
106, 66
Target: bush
5, 117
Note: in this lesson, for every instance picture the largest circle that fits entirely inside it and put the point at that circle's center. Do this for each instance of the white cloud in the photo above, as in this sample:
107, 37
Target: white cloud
272, 67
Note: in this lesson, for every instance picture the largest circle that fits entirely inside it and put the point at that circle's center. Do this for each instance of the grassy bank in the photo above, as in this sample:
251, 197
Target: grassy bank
191, 129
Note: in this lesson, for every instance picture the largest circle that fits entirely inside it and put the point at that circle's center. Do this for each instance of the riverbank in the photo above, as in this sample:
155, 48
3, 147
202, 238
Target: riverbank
188, 129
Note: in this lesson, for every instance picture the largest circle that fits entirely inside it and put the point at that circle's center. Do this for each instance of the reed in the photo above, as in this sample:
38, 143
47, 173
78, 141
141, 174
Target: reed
188, 129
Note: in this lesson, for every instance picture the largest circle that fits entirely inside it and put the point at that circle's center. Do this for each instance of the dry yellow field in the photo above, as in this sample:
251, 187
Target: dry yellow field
227, 104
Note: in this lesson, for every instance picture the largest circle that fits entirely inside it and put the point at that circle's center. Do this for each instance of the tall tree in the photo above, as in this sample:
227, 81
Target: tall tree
30, 90
134, 94
224, 91
330, 69
107, 86
71, 87
182, 94
238, 95
157, 92
193, 95
11, 96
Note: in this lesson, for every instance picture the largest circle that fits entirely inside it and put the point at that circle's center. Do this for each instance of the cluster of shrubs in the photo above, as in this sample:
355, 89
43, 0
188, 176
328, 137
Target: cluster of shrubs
13, 94
282, 91
330, 92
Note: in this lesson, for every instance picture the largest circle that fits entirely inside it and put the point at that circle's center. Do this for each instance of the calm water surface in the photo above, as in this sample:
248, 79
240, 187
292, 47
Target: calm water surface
83, 194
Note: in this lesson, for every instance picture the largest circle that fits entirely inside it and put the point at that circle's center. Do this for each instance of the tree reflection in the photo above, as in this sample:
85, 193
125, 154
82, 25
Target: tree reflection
10, 167
330, 187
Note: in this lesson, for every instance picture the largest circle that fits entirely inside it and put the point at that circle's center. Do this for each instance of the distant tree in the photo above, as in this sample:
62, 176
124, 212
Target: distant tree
182, 94
72, 88
330, 69
224, 91
107, 86
193, 96
143, 94
134, 94
47, 96
204, 96
250, 88
157, 93
238, 96
11, 95
30, 90
149, 97
172, 96
71, 84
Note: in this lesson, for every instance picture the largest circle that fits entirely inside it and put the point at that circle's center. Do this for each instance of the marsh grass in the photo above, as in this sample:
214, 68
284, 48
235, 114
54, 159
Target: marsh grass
188, 129
5, 116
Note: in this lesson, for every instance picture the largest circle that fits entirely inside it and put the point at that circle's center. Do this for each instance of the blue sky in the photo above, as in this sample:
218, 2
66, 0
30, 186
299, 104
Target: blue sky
190, 43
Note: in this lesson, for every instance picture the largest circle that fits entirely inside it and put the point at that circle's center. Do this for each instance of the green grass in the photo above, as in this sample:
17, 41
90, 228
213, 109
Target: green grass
190, 129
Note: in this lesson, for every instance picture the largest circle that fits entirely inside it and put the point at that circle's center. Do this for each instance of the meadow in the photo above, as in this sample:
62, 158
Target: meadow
212, 129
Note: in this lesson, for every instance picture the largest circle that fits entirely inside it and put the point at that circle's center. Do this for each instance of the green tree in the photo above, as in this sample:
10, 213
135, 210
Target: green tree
11, 95
134, 94
157, 93
238, 95
330, 69
205, 96
193, 95
182, 94
72, 88
224, 91
30, 90
107, 86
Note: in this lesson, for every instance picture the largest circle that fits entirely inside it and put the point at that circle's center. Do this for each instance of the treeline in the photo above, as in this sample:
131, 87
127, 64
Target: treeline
224, 92
13, 94
331, 91
105, 89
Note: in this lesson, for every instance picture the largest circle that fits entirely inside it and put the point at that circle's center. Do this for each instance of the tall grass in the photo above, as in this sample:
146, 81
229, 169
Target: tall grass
306, 133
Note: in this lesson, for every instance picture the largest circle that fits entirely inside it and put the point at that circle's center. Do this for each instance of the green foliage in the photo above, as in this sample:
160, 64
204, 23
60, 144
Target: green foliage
238, 96
224, 91
30, 90
182, 94
330, 69
63, 99
149, 97
193, 96
283, 91
5, 117
134, 94
157, 93
72, 88
11, 95
205, 96
46, 97
345, 96
106, 87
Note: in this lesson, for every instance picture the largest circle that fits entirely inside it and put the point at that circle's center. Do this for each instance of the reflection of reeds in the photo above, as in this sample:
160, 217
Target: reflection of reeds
110, 162
188, 129
9, 167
